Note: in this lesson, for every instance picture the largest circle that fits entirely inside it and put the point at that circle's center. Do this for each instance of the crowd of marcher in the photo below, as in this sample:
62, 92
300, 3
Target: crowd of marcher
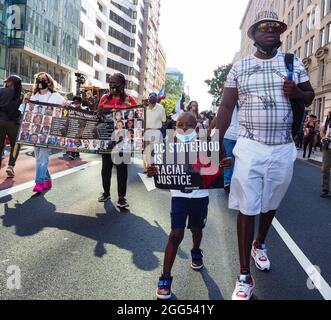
253, 127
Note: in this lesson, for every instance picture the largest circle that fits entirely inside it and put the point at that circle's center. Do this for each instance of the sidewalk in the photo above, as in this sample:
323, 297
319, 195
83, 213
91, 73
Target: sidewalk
315, 158
25, 168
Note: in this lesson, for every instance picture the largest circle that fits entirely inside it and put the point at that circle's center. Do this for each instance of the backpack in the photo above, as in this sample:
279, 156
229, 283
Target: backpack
298, 106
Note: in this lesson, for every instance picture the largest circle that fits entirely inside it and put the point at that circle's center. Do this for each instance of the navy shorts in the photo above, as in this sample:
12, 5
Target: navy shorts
196, 210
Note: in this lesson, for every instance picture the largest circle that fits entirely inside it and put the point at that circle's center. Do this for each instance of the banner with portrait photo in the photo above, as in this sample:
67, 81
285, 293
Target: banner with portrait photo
52, 126
188, 166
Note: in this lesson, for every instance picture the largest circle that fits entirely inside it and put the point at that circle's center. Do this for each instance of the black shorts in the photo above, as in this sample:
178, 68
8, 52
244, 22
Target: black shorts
196, 210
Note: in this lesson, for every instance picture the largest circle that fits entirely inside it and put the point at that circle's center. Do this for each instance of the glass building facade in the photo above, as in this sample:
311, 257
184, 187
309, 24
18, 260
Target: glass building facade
47, 41
3, 41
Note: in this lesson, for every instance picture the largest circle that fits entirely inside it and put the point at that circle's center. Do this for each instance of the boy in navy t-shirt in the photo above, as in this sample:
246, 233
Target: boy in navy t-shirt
191, 206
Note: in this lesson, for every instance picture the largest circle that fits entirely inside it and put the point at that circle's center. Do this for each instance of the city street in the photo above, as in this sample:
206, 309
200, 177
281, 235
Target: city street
69, 246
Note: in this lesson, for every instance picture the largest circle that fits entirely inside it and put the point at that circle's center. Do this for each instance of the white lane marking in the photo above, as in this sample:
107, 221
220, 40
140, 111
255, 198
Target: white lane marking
55, 176
307, 266
5, 261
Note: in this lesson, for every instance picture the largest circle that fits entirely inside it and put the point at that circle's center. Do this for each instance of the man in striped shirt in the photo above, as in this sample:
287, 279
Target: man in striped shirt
265, 152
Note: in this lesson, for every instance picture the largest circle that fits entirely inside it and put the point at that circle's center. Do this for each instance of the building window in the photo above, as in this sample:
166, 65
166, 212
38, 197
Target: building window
326, 7
319, 108
120, 21
85, 56
14, 63
322, 70
311, 45
118, 51
117, 66
328, 27
300, 7
299, 52
289, 41
322, 37
99, 24
296, 37
306, 48
25, 68
121, 37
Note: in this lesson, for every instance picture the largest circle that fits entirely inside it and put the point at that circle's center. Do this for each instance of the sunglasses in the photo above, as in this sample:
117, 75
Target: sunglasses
270, 26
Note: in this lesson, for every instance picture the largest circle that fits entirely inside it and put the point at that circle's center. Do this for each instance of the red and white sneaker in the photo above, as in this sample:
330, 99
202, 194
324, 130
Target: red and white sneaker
244, 288
260, 257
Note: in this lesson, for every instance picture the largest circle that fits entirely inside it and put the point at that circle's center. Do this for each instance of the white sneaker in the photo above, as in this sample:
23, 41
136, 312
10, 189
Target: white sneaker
260, 257
244, 288
10, 172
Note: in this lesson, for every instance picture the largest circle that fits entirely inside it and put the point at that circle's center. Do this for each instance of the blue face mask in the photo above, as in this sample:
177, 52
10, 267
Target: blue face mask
185, 138
152, 101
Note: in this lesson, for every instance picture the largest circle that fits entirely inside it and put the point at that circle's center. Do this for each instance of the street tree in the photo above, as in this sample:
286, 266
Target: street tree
216, 84
174, 90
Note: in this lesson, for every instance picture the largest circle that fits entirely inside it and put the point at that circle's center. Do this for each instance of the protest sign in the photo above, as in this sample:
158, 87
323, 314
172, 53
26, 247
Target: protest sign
188, 166
52, 126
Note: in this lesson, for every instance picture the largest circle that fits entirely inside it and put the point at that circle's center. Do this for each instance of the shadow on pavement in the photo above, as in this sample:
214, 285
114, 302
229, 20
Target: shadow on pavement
123, 230
214, 293
6, 199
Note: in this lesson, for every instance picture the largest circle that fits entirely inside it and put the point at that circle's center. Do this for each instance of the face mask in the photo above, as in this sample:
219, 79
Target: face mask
269, 50
152, 100
186, 138
116, 90
43, 85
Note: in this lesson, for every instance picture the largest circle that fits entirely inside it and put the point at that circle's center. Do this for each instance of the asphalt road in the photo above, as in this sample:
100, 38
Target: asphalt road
68, 246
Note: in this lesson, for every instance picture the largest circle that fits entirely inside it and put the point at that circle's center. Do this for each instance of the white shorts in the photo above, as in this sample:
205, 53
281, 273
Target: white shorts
262, 176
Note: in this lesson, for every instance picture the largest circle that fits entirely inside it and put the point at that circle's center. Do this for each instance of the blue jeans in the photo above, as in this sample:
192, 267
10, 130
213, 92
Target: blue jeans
229, 146
42, 158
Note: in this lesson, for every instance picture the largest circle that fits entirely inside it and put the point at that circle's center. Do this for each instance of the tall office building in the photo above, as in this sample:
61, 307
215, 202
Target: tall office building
150, 48
92, 42
122, 36
161, 63
3, 40
308, 36
175, 74
111, 40
42, 36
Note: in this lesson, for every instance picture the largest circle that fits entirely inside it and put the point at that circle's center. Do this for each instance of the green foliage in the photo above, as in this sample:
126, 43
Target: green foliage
174, 90
169, 105
173, 87
216, 84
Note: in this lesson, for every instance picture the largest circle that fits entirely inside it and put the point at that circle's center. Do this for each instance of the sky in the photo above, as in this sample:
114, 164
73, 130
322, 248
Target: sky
198, 36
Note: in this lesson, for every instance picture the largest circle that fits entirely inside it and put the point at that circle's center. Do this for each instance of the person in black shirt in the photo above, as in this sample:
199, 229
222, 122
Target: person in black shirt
10, 101
310, 132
